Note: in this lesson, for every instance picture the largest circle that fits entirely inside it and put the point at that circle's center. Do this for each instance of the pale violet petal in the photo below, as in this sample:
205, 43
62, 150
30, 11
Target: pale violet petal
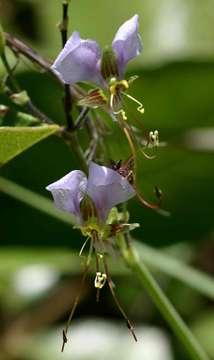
78, 61
127, 42
107, 188
69, 191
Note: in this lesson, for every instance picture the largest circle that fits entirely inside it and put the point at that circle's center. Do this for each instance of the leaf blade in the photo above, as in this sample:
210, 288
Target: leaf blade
15, 140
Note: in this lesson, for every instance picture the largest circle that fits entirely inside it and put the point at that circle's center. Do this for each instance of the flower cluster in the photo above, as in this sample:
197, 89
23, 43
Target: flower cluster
92, 200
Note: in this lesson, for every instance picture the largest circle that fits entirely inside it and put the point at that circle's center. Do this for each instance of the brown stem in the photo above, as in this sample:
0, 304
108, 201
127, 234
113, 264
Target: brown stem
63, 27
64, 23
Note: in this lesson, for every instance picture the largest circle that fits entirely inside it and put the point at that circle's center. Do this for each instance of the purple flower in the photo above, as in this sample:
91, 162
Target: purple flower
104, 186
81, 60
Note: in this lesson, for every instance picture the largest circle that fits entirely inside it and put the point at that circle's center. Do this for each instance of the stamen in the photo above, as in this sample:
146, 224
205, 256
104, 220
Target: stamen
146, 203
140, 108
111, 288
83, 247
100, 280
130, 142
154, 138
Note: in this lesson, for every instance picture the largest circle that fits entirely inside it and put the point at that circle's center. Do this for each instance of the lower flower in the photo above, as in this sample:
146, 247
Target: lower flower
92, 201
92, 198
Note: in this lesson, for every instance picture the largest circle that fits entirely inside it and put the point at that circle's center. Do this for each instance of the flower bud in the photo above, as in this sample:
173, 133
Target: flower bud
3, 110
2, 41
154, 138
23, 119
20, 98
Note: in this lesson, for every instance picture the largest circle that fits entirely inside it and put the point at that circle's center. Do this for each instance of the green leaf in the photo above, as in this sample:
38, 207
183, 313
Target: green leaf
14, 140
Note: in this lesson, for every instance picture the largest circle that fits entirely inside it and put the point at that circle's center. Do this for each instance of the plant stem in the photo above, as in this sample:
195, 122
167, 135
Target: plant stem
72, 141
64, 33
161, 301
16, 88
82, 116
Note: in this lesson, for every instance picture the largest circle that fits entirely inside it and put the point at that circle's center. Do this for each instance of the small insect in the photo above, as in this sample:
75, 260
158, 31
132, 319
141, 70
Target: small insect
125, 168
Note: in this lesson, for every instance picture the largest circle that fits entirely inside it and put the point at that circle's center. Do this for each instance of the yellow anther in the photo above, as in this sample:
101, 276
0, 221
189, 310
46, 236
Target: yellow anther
123, 114
116, 85
123, 83
141, 109
100, 280
113, 89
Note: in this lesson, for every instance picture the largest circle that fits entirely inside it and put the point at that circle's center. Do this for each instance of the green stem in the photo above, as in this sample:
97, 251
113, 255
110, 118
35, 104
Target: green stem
72, 141
161, 301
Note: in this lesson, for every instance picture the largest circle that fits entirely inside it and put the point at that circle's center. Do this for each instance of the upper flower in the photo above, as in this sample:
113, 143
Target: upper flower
104, 186
81, 60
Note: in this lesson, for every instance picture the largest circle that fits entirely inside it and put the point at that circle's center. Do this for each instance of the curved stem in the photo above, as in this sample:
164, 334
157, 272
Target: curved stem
161, 301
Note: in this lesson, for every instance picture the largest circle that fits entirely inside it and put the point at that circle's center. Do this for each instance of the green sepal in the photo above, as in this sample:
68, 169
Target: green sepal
109, 67
94, 99
117, 222
88, 209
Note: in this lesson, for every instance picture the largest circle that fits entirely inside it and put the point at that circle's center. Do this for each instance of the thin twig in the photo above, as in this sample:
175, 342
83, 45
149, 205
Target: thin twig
15, 85
81, 118
63, 27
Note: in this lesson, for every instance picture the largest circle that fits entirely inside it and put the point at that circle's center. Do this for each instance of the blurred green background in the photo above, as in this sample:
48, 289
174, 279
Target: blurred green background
176, 85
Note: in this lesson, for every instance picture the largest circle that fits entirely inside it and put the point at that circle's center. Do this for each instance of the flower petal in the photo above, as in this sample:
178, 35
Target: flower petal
69, 191
107, 188
127, 42
78, 61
